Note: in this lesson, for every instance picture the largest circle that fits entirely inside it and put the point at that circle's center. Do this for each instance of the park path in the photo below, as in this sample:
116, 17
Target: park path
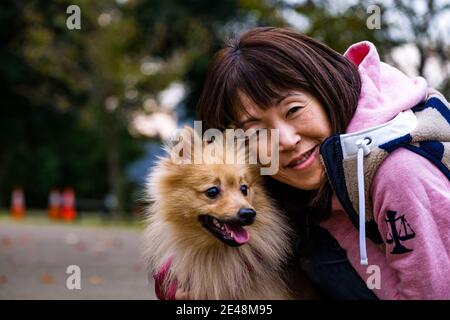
34, 259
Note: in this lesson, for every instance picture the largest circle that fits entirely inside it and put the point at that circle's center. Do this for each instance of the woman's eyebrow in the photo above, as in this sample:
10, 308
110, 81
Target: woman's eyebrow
247, 120
290, 94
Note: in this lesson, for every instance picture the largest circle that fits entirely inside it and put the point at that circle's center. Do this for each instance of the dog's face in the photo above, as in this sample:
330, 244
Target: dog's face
216, 197
214, 201
227, 210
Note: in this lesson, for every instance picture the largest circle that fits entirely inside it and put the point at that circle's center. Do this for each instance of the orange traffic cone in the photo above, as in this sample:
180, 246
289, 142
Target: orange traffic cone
18, 203
68, 211
54, 202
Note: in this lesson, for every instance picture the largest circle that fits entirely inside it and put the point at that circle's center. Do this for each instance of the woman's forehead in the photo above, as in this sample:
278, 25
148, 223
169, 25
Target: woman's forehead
248, 108
251, 109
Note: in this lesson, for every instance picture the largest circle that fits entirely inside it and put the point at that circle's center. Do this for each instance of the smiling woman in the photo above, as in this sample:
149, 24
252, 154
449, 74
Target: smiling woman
272, 78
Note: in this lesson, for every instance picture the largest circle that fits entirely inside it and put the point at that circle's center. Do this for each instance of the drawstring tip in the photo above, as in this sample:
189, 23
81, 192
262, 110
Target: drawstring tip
363, 150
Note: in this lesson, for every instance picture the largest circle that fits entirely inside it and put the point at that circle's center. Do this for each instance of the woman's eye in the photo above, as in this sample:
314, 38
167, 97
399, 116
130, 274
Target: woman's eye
212, 192
255, 131
293, 110
244, 189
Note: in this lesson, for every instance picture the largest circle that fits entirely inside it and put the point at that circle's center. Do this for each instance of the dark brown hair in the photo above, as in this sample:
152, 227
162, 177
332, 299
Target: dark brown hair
264, 63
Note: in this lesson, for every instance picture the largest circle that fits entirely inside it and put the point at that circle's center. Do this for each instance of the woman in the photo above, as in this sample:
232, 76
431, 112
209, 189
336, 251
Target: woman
391, 165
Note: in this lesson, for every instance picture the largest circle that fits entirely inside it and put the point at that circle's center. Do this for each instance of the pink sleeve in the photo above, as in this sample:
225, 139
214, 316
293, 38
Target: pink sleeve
164, 290
412, 208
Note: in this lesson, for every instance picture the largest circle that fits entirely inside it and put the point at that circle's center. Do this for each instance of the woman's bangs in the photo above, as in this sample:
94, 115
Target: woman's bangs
254, 85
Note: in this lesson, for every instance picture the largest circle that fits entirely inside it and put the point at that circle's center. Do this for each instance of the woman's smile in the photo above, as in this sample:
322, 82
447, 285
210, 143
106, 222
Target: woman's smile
304, 160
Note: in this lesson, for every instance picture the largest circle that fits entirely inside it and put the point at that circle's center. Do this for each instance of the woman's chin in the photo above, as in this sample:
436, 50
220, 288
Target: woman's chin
312, 181
308, 186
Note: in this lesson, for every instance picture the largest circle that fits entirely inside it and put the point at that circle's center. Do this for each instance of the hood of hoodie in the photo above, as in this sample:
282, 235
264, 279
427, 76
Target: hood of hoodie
385, 90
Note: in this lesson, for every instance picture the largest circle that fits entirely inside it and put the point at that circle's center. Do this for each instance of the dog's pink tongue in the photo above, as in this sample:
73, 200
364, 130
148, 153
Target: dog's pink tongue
240, 235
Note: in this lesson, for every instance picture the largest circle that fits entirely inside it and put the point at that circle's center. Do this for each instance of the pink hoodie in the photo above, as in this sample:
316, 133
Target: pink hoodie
405, 183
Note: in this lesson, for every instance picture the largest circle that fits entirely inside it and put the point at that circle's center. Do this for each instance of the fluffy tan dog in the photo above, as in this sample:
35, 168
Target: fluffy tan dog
217, 228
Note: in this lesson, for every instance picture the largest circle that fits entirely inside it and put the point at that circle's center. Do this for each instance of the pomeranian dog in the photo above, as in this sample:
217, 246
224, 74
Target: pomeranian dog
214, 229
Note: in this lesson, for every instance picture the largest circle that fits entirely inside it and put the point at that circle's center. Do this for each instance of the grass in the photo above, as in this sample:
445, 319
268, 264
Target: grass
88, 219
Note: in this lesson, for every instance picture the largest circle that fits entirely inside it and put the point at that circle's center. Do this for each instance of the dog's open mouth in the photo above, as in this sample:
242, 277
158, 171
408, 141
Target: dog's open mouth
229, 231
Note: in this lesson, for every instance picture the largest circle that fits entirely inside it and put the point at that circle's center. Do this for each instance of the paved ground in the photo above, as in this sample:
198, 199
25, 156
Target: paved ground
34, 259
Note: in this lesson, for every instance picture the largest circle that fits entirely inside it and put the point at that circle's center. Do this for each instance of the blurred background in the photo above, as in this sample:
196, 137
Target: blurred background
83, 112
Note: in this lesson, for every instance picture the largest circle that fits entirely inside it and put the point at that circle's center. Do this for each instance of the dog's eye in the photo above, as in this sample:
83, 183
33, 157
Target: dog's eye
244, 189
212, 192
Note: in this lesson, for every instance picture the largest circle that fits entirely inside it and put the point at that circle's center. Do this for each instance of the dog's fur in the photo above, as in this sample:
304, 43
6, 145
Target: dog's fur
202, 265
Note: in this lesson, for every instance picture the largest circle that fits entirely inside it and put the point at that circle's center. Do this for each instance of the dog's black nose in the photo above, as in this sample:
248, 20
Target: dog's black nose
246, 215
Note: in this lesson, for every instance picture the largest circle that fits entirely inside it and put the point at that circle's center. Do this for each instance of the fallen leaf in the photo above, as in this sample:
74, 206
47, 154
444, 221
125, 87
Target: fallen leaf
95, 279
47, 279
3, 279
6, 242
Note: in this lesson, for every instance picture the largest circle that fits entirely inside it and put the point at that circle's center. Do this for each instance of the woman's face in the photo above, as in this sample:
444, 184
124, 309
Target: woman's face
303, 125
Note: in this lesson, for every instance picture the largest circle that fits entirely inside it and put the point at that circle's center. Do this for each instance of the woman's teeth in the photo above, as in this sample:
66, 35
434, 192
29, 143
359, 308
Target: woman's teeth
302, 159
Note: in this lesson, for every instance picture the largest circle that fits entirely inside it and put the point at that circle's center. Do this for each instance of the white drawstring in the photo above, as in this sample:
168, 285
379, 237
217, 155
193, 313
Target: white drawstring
363, 150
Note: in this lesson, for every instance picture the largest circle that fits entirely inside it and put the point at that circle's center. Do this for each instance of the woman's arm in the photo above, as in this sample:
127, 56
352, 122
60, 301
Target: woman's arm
412, 208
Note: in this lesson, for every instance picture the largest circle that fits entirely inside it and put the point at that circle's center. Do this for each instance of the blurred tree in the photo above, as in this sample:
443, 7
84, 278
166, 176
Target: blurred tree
58, 82
194, 29
422, 23
418, 23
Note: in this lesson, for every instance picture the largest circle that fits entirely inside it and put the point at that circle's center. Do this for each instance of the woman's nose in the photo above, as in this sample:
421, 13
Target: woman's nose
289, 138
